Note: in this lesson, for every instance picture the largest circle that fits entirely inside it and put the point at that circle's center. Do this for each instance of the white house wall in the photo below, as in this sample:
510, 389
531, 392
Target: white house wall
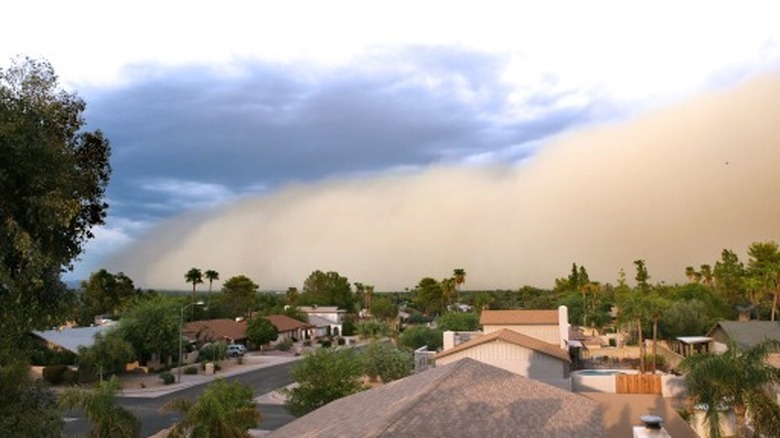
514, 358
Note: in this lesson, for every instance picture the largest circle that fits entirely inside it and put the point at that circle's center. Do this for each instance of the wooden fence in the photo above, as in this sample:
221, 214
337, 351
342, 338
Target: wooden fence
638, 384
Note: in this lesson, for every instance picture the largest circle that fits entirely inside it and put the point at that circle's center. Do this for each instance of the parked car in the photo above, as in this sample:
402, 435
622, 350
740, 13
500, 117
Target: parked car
235, 350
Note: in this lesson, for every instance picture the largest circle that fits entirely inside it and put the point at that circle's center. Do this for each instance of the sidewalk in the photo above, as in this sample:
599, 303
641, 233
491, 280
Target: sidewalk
150, 385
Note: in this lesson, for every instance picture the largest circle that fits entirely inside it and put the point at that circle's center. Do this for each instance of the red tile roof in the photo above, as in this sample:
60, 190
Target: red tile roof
216, 330
519, 317
512, 337
284, 323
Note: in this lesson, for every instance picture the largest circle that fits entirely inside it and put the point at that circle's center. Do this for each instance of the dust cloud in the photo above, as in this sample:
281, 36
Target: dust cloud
673, 187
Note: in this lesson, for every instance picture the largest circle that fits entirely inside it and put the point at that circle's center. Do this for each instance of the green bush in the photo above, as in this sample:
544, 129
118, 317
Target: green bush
70, 376
192, 369
285, 345
326, 343
53, 374
167, 377
213, 352
341, 341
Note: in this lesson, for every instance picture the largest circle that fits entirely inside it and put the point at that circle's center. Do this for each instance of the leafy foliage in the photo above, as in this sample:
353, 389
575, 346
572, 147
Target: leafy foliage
27, 408
105, 293
737, 378
327, 289
323, 376
108, 419
428, 295
387, 362
415, 337
152, 327
108, 354
260, 331
53, 177
239, 295
458, 322
223, 410
384, 309
373, 329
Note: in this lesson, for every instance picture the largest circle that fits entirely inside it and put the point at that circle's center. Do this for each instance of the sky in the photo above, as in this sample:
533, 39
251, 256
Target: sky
392, 140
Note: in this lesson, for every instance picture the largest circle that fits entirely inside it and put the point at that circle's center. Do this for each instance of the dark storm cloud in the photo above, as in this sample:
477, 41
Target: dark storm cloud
182, 133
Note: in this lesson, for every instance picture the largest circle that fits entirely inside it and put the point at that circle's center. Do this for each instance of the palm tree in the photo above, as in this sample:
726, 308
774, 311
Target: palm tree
739, 379
369, 295
211, 275
108, 419
195, 277
223, 410
448, 291
459, 274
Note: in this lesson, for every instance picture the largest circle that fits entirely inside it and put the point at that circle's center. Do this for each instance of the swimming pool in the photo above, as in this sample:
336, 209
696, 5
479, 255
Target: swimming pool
597, 372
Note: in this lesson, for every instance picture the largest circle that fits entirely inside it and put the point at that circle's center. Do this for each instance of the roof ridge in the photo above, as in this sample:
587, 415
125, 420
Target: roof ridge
437, 381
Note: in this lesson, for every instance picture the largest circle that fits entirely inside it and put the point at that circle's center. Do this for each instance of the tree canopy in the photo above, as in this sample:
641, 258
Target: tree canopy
328, 289
323, 376
239, 295
53, 176
260, 331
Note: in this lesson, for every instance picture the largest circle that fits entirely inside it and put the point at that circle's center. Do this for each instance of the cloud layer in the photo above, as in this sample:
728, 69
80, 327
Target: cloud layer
673, 187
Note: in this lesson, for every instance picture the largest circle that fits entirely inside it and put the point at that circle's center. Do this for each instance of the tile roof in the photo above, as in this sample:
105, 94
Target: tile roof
216, 330
465, 398
512, 337
749, 333
519, 317
284, 323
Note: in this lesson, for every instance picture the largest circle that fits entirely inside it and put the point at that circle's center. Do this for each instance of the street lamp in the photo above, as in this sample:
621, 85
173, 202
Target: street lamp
181, 330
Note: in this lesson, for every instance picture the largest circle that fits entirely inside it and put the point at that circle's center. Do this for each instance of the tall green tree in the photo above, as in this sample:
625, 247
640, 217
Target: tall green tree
108, 354
108, 419
729, 274
194, 276
428, 296
323, 376
152, 327
764, 268
53, 176
384, 309
328, 289
260, 331
239, 295
223, 410
105, 293
740, 379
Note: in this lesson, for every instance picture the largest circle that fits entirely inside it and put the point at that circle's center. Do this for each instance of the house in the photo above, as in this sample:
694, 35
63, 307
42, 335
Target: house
745, 334
290, 328
329, 313
71, 339
323, 326
212, 330
551, 326
464, 398
515, 352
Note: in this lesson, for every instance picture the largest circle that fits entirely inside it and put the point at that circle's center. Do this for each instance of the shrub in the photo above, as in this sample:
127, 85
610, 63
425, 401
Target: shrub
212, 352
285, 345
70, 376
341, 341
53, 374
307, 343
167, 377
326, 343
192, 369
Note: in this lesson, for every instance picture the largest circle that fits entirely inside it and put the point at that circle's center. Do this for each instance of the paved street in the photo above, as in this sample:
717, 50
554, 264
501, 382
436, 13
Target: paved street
262, 381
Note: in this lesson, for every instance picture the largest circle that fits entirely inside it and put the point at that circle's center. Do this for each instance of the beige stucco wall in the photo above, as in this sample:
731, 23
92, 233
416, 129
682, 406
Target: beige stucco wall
546, 333
514, 358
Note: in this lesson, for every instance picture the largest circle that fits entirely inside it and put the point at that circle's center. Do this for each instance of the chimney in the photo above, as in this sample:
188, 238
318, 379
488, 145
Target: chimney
563, 326
448, 340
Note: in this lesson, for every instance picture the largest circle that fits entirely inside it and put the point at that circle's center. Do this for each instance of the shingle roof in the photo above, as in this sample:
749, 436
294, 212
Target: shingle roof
749, 333
216, 329
284, 323
512, 337
465, 398
319, 321
519, 317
